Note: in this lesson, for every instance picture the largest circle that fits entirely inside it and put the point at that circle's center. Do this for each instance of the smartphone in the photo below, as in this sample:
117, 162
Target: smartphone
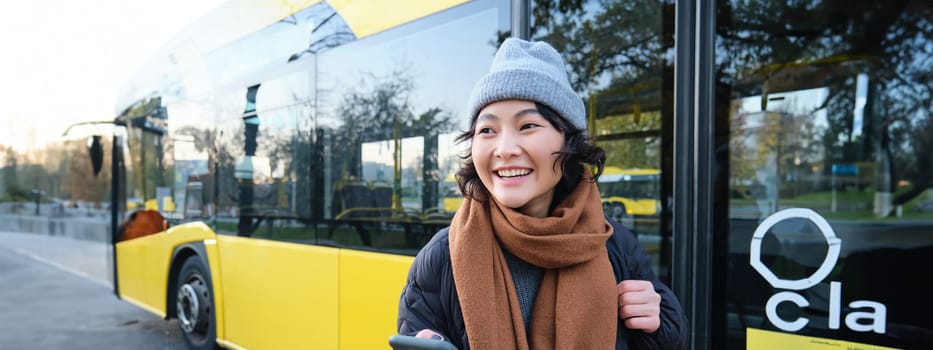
404, 342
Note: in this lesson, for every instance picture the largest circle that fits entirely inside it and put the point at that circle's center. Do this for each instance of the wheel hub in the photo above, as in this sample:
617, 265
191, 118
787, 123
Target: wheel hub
192, 307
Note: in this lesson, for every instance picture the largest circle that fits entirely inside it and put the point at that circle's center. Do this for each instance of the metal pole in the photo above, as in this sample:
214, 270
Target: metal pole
521, 19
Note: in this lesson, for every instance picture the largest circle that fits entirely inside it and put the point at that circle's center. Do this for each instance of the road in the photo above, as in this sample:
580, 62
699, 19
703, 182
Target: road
55, 294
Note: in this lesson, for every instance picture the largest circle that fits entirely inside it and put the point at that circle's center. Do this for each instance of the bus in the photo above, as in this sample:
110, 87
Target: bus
629, 192
287, 143
297, 155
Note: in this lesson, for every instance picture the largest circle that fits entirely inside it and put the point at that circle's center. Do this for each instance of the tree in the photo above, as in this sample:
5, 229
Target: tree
617, 54
12, 189
77, 176
767, 46
378, 110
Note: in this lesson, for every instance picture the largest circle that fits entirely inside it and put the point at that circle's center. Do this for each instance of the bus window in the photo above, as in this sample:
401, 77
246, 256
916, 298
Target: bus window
619, 55
823, 147
150, 166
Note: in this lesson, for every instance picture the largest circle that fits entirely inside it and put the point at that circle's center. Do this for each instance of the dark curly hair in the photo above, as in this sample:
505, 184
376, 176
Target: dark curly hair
577, 152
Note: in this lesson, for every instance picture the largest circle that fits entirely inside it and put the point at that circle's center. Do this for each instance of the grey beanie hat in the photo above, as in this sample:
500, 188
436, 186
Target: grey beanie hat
533, 71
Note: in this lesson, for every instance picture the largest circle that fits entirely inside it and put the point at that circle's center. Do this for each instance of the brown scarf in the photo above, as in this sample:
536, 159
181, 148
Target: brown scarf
577, 303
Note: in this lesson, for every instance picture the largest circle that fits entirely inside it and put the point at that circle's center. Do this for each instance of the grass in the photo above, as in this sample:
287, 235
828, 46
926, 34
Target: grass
851, 205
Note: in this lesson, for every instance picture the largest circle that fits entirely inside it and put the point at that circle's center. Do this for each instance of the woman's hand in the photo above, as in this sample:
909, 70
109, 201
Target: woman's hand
430, 334
639, 305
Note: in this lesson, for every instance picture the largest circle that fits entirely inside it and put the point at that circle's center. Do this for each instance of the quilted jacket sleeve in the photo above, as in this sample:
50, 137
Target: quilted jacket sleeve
428, 299
630, 261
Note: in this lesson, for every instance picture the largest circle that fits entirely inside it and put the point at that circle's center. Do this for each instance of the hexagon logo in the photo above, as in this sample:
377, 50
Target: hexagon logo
832, 254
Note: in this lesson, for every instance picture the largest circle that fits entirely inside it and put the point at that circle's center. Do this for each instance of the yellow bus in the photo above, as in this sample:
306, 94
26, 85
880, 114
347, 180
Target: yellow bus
292, 150
298, 151
630, 192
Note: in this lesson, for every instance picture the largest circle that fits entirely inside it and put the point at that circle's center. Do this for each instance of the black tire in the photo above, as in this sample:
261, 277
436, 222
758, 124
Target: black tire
617, 211
194, 303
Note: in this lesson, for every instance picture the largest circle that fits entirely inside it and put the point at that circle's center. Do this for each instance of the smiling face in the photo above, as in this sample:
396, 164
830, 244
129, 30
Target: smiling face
514, 148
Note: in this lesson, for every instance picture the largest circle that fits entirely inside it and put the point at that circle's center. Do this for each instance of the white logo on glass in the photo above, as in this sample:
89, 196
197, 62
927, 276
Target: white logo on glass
873, 320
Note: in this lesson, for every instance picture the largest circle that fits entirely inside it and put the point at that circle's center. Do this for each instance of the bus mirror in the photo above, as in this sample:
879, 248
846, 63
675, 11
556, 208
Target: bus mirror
96, 151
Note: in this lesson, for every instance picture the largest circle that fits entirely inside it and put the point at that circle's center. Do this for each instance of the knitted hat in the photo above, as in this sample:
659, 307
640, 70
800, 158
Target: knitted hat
533, 71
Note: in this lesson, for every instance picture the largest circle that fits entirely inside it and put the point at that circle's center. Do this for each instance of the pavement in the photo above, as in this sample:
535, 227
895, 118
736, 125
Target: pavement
55, 293
88, 259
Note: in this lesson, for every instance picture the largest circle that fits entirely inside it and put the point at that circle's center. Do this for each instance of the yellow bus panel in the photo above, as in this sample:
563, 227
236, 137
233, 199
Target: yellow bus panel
278, 295
143, 264
139, 270
369, 17
275, 295
370, 286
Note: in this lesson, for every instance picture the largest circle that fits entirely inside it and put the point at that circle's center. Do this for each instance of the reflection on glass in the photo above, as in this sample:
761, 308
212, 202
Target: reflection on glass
305, 33
386, 111
773, 146
828, 108
149, 175
379, 170
628, 192
619, 55
263, 169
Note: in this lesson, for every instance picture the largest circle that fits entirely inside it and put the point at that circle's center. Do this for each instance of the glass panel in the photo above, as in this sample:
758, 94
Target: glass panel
264, 161
149, 169
190, 138
310, 31
349, 143
387, 106
827, 110
620, 58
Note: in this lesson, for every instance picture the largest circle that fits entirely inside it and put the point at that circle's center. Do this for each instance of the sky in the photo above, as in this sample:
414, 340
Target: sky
64, 61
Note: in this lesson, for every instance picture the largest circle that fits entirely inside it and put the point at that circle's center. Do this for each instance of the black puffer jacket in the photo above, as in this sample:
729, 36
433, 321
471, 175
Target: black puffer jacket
429, 300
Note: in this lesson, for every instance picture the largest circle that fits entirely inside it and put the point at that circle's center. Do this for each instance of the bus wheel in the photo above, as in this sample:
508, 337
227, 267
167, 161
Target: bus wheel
617, 211
194, 305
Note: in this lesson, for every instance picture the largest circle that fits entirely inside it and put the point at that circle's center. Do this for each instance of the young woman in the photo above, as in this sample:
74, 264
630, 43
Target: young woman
529, 260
